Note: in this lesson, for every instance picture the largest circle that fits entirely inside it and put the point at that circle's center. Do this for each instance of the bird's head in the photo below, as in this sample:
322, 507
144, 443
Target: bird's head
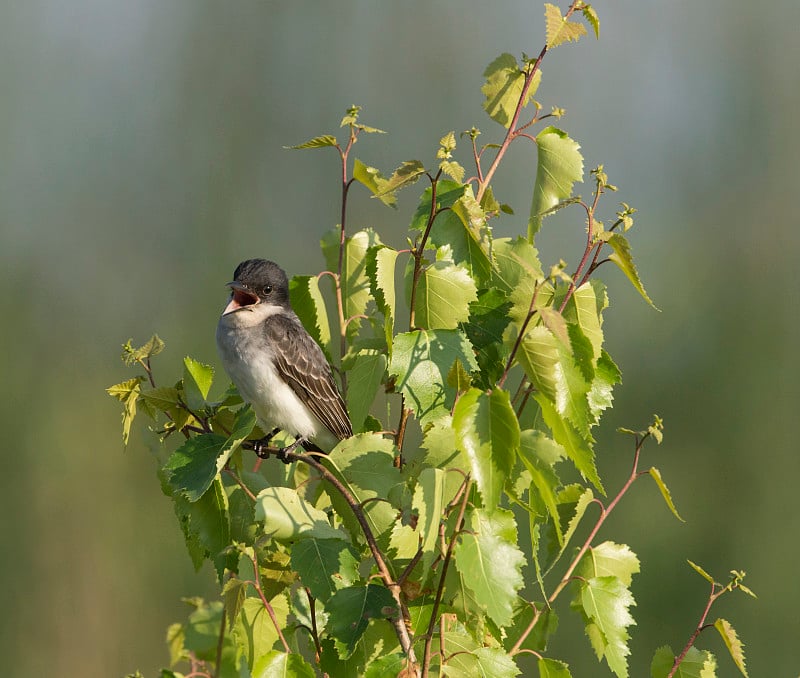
256, 282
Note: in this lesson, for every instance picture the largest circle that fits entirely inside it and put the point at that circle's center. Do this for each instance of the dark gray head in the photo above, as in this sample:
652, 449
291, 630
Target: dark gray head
257, 281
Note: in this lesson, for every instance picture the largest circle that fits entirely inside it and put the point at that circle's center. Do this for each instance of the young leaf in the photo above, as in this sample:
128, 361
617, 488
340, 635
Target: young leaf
696, 664
600, 395
325, 565
152, 347
420, 363
287, 516
255, 632
307, 302
487, 431
276, 664
609, 559
590, 15
559, 29
365, 376
655, 474
405, 175
488, 558
197, 379
444, 293
552, 668
372, 178
465, 230
320, 141
381, 261
732, 642
515, 262
559, 166
604, 603
350, 611
127, 392
623, 258
705, 575
503, 88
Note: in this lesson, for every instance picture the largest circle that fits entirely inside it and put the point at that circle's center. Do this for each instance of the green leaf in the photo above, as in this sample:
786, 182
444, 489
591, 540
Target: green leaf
444, 293
205, 523
538, 355
559, 166
464, 229
534, 450
254, 632
732, 642
559, 29
591, 16
579, 498
191, 469
447, 192
600, 395
488, 319
276, 664
604, 603
308, 304
623, 258
325, 565
321, 141
503, 88
552, 668
452, 169
354, 280
164, 398
364, 379
152, 347
381, 261
378, 640
583, 308
350, 610
372, 178
287, 516
365, 465
197, 379
577, 447
488, 558
537, 640
487, 431
420, 363
516, 265
609, 559
696, 664
406, 174
705, 575
127, 392
655, 474
388, 665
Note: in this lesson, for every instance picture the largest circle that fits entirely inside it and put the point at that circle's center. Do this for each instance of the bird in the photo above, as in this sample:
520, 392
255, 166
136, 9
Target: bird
276, 365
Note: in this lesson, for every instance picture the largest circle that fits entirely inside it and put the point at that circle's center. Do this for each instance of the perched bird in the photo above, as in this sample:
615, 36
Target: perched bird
276, 365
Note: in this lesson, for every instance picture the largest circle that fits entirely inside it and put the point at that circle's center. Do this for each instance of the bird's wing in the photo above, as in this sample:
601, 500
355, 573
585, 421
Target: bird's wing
302, 364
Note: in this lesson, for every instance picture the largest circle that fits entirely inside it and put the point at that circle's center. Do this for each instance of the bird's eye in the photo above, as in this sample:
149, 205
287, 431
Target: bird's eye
267, 289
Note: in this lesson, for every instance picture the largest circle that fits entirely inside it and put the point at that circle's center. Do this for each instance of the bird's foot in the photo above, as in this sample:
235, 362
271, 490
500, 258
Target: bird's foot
262, 446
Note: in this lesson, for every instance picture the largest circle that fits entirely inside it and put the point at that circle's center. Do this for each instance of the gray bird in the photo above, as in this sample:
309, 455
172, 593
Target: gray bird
276, 365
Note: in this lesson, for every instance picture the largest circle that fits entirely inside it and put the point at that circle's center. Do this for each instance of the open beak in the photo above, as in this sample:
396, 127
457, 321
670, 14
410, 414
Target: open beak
241, 297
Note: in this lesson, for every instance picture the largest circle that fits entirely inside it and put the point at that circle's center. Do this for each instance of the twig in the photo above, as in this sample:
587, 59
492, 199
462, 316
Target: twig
267, 606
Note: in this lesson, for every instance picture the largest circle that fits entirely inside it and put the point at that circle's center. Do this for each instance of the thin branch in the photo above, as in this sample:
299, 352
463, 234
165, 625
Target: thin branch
523, 329
419, 250
267, 606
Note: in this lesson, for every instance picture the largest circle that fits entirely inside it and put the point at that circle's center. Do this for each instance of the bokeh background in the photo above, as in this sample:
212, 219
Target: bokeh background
142, 158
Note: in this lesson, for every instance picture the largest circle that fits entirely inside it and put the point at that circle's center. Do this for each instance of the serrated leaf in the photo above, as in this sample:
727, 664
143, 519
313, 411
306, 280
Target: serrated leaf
552, 668
591, 16
325, 565
577, 447
364, 380
287, 516
490, 561
655, 474
320, 141
255, 632
276, 664
559, 29
351, 609
234, 593
452, 169
559, 166
444, 292
534, 448
604, 603
488, 319
308, 304
420, 363
516, 265
164, 398
191, 469
696, 664
538, 355
609, 559
487, 431
406, 174
503, 88
151, 347
623, 258
372, 178
381, 262
197, 379
581, 503
127, 392
705, 575
447, 192
732, 642
600, 396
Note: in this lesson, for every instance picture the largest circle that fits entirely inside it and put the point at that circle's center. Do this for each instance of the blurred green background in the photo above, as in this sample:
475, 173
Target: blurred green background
142, 158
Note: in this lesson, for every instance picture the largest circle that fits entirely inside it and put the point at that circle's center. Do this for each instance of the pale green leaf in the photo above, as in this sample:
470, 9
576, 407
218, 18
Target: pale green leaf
517, 265
623, 258
452, 169
372, 178
254, 632
590, 15
732, 642
609, 559
538, 355
444, 293
606, 376
381, 261
655, 474
705, 575
420, 363
487, 431
552, 668
503, 88
127, 392
197, 379
287, 516
406, 174
131, 354
307, 302
365, 373
559, 29
559, 166
490, 561
321, 141
276, 664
